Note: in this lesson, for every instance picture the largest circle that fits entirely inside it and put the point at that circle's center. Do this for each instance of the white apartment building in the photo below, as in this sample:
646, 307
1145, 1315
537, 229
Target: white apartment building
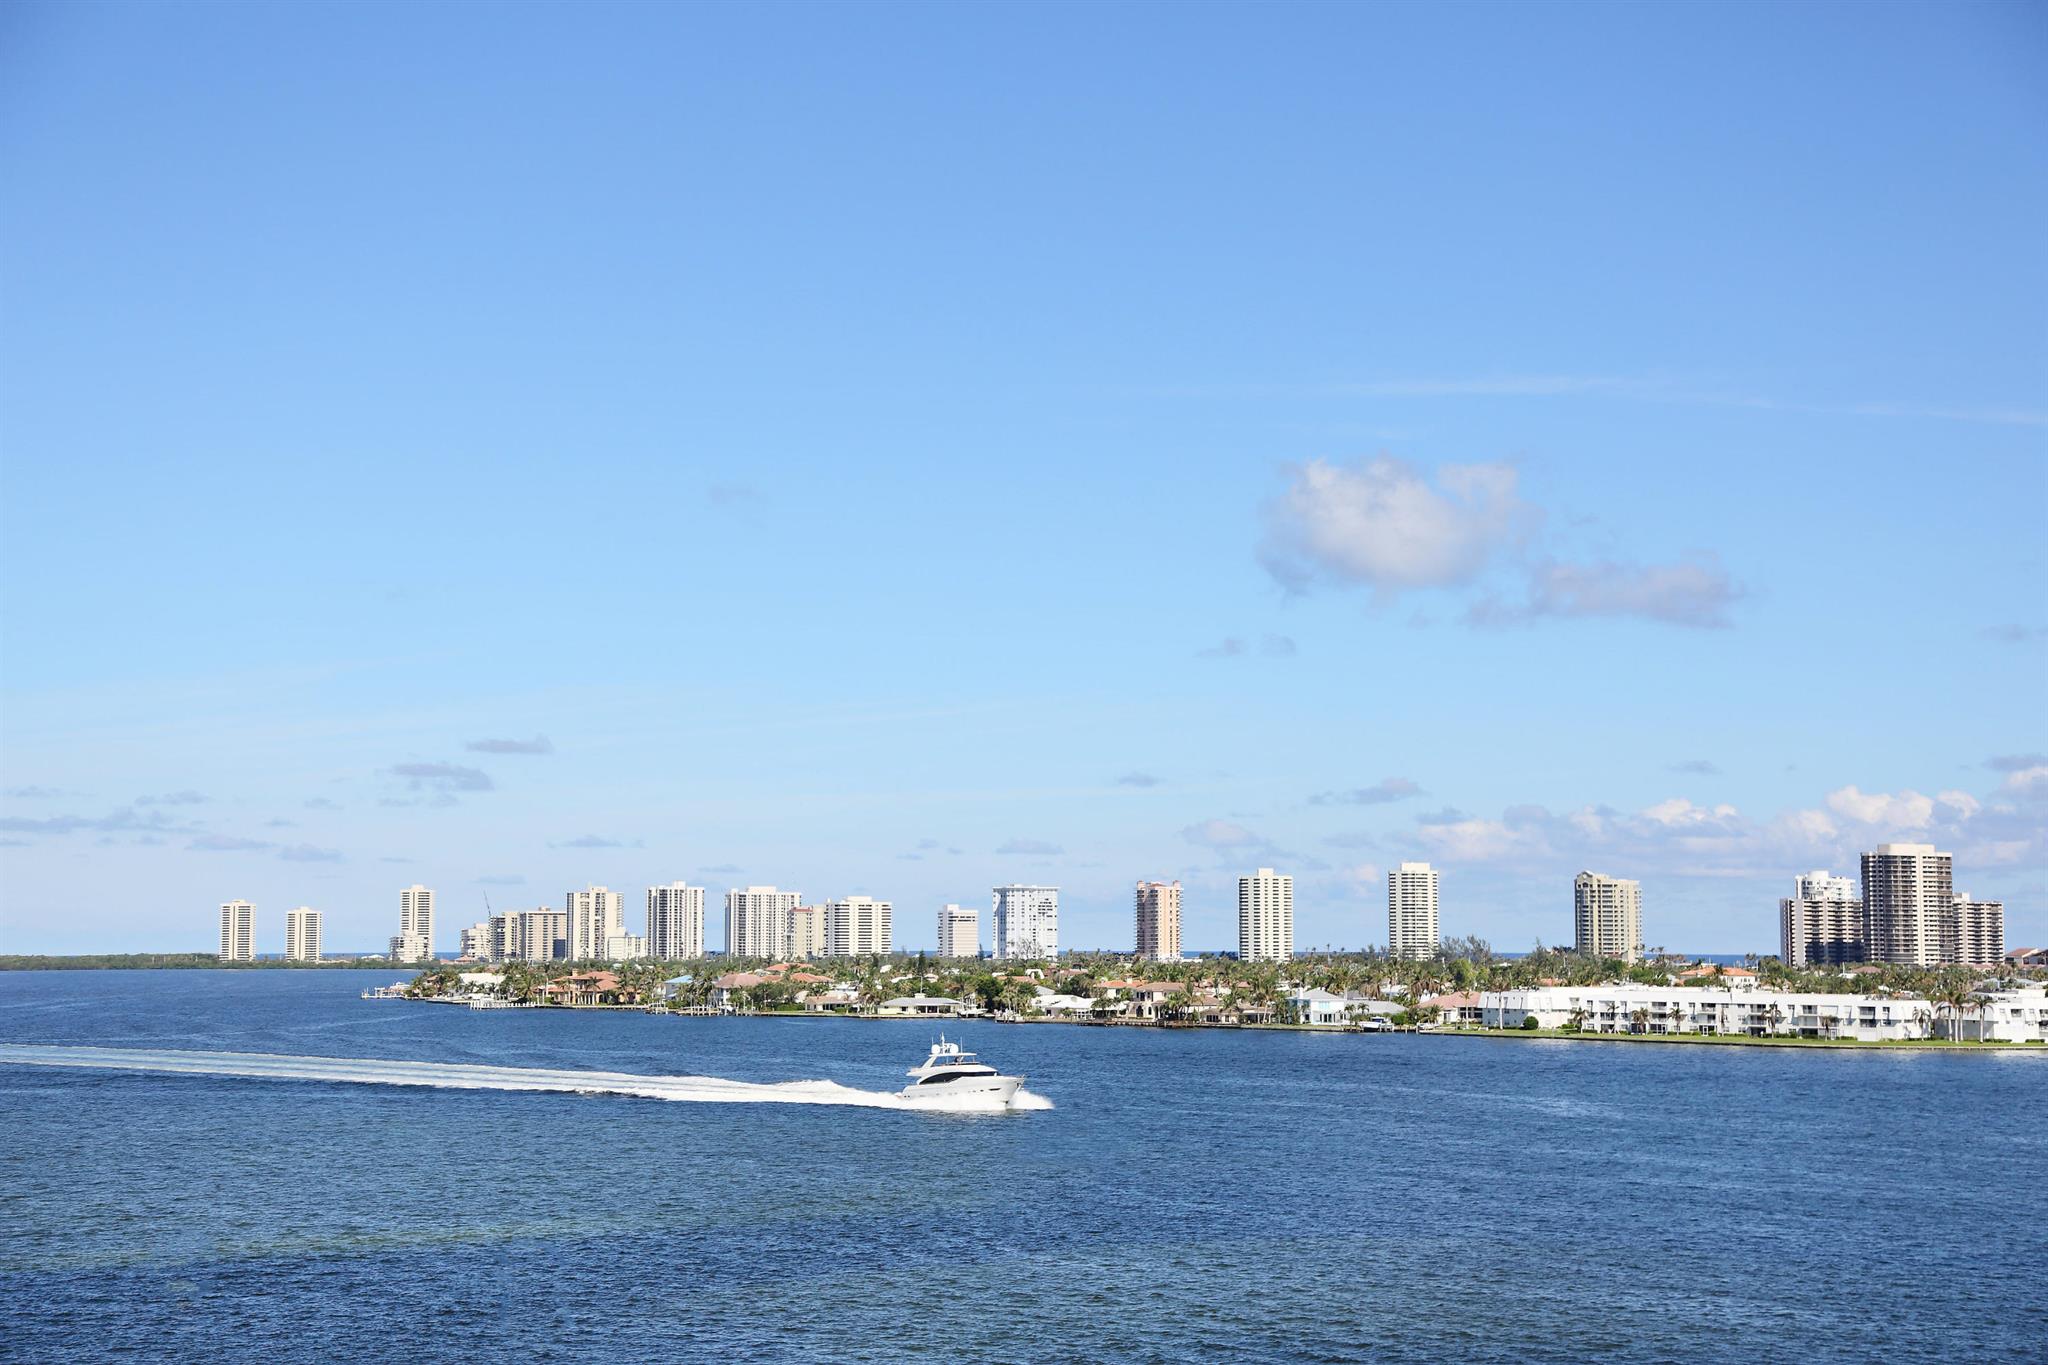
1821, 923
1026, 922
807, 932
1607, 916
1158, 908
479, 942
540, 935
415, 917
237, 931
1908, 896
959, 932
1265, 917
675, 921
597, 916
409, 948
2015, 1016
1974, 932
757, 921
1411, 912
857, 926
1708, 1009
302, 935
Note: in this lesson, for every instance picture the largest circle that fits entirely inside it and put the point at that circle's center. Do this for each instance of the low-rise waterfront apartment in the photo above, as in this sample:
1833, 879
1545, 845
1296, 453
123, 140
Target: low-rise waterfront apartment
2008, 1016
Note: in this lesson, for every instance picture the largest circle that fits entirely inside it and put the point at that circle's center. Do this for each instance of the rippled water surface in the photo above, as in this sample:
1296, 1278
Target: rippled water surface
1188, 1196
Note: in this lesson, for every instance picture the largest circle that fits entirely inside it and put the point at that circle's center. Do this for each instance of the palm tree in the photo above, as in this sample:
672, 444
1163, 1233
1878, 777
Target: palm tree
1639, 1020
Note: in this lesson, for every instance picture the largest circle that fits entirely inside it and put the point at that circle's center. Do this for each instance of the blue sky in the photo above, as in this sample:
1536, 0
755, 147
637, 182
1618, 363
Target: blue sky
899, 450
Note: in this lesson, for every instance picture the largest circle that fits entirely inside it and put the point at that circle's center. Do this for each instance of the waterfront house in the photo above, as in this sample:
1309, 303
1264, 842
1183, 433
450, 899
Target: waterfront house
838, 1000
918, 1006
1457, 1007
2027, 957
1149, 999
730, 991
2013, 1016
1314, 1005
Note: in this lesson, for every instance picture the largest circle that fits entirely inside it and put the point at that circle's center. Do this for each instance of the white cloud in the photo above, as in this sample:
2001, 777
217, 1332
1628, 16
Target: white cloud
1906, 810
1220, 834
1380, 523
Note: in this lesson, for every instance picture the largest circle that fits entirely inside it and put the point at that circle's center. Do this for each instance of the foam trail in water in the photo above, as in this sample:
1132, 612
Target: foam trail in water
467, 1076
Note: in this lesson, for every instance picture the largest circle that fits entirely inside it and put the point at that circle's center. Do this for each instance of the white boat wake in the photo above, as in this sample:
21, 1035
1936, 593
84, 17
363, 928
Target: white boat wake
467, 1076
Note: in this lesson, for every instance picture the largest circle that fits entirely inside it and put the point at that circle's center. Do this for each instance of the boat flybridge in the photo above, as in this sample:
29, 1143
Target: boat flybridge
959, 1079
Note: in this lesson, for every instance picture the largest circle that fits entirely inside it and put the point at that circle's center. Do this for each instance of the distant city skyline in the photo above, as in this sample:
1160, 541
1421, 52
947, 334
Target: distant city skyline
690, 445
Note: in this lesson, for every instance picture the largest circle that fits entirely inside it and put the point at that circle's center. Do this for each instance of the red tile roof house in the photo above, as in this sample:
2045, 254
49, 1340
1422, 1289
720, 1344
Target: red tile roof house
2028, 957
1458, 1007
589, 988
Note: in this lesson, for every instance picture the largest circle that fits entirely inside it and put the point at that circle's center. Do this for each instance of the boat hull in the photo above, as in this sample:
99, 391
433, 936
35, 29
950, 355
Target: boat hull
970, 1092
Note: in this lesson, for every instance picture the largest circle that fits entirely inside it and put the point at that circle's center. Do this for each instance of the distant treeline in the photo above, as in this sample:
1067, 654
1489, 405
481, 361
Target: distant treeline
25, 962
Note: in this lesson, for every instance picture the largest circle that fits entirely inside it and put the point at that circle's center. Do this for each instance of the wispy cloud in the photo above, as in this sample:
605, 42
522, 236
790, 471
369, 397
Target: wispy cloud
322, 803
502, 879
539, 744
442, 777
1696, 593
1379, 793
120, 821
1137, 780
181, 798
1220, 834
309, 853
1700, 767
36, 793
1036, 848
720, 870
597, 841
226, 843
2012, 633
1663, 390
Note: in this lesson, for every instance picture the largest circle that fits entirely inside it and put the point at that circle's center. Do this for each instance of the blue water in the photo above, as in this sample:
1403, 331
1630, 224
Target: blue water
1192, 1195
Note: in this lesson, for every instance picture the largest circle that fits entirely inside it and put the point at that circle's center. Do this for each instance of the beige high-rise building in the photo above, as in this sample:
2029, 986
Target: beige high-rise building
1976, 936
1821, 923
1607, 916
1158, 907
540, 935
478, 942
415, 924
857, 926
959, 932
1265, 917
1908, 904
1411, 912
237, 931
675, 921
302, 935
807, 932
757, 921
597, 917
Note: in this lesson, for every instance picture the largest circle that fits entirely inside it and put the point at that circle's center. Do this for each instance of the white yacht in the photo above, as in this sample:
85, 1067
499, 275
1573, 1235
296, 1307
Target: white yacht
955, 1078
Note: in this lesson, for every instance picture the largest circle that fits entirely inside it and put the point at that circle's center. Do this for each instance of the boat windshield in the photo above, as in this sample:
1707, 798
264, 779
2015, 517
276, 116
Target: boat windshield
955, 1059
